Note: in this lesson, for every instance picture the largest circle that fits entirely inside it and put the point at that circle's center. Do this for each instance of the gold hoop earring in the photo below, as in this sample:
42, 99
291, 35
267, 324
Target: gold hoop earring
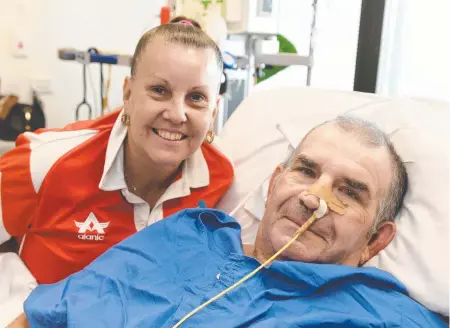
210, 137
125, 119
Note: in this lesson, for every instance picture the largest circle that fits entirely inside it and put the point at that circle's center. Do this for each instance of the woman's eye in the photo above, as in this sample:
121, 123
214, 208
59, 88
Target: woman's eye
308, 172
197, 97
158, 90
350, 193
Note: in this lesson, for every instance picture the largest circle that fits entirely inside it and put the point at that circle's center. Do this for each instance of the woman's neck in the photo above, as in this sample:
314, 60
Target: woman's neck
145, 178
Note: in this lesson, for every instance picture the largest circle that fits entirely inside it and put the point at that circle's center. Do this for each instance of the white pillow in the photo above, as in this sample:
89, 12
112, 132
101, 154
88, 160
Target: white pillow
418, 130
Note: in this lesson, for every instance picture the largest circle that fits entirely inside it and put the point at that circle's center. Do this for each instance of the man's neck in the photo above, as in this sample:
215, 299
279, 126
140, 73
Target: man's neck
248, 249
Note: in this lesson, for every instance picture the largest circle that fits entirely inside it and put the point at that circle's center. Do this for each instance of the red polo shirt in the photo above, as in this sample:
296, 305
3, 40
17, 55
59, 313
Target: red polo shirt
63, 192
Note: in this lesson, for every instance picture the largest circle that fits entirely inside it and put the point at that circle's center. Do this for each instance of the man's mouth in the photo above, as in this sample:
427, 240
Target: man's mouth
170, 136
298, 222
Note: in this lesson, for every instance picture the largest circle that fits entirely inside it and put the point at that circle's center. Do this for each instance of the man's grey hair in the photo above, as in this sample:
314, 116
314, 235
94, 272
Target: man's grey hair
372, 136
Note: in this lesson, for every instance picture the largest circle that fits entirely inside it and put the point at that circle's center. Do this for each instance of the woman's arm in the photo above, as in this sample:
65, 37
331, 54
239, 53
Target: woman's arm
20, 322
18, 196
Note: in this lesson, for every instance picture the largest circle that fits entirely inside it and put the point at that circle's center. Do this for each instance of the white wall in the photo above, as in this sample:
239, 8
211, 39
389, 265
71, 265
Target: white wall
416, 49
48, 25
51, 24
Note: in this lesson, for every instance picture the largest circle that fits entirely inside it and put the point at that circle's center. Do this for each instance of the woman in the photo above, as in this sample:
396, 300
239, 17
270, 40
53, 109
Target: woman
69, 194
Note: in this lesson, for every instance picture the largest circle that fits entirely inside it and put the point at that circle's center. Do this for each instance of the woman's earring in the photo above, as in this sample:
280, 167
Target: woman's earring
125, 119
210, 137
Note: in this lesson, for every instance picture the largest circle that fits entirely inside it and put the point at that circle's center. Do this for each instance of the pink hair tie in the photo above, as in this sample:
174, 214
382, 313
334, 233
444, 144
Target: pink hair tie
185, 22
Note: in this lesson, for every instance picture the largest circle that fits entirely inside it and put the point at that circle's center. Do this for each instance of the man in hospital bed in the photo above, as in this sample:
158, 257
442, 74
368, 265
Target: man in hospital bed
159, 275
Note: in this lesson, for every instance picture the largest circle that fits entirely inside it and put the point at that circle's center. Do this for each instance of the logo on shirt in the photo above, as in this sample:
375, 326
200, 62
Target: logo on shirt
91, 224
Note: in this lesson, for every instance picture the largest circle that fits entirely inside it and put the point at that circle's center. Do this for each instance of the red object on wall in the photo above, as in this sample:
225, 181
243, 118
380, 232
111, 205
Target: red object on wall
165, 15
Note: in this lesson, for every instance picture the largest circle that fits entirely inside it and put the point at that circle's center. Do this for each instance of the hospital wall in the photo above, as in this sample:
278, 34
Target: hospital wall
46, 25
415, 48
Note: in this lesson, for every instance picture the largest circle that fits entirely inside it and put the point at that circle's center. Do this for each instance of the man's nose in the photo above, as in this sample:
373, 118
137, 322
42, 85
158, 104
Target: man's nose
175, 112
312, 202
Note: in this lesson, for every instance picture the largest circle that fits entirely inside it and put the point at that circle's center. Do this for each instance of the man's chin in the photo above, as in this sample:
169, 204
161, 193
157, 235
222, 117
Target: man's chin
297, 251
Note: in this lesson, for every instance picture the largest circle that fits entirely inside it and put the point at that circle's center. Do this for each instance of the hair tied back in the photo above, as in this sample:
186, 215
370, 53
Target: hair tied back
186, 22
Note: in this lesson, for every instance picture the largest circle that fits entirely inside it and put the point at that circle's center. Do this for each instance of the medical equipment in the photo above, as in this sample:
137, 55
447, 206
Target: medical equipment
330, 202
102, 84
92, 55
241, 16
71, 54
252, 26
84, 101
165, 14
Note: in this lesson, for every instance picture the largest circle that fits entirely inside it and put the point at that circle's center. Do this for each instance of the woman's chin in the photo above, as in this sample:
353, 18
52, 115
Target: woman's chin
166, 160
167, 152
166, 157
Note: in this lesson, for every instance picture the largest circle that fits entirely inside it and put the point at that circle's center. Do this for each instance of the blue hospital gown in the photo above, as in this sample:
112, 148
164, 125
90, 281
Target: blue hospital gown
157, 276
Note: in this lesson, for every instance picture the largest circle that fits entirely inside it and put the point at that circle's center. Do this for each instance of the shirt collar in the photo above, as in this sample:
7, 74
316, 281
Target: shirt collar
195, 172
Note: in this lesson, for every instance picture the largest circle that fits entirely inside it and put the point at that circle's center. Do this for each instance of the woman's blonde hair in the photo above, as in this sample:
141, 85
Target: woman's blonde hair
177, 32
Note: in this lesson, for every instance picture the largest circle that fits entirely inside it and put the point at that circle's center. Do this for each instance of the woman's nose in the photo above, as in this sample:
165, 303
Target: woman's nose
175, 113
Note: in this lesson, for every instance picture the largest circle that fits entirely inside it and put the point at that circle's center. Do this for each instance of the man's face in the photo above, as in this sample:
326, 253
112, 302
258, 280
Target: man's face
357, 175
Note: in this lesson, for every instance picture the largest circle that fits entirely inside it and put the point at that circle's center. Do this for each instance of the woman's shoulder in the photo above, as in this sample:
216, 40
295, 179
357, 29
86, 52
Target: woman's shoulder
62, 140
216, 156
59, 141
103, 122
43, 150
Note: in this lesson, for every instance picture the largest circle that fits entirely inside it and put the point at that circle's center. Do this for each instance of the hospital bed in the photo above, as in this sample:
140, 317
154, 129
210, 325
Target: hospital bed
270, 123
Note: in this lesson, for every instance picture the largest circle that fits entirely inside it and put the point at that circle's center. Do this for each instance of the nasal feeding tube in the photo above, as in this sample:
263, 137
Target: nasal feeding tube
327, 201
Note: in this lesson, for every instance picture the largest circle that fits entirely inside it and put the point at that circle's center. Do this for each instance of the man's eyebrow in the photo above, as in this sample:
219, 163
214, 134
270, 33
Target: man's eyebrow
306, 161
358, 185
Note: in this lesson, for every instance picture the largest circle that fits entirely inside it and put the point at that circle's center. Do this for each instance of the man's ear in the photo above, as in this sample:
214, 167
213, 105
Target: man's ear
273, 179
126, 89
379, 241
